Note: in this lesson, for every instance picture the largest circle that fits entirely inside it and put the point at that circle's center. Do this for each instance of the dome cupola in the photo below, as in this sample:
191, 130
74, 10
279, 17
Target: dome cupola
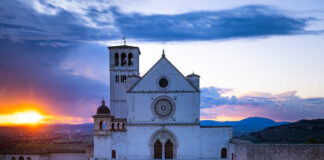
103, 109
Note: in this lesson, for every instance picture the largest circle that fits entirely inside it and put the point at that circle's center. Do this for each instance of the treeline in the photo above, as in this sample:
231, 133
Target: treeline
303, 131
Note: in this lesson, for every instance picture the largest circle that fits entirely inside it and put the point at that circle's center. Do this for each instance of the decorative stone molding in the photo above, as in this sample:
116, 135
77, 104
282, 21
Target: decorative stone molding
163, 107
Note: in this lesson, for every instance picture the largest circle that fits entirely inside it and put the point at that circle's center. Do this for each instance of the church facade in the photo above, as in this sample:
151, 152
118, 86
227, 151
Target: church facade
154, 116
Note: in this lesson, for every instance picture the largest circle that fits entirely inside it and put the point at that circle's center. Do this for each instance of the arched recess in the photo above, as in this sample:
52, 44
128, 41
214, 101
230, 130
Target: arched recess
113, 126
123, 127
168, 141
102, 126
157, 150
123, 59
130, 59
13, 158
224, 153
21, 158
28, 158
116, 59
113, 154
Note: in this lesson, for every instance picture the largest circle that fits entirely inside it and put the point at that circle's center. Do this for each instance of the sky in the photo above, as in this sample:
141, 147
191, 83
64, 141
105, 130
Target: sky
255, 57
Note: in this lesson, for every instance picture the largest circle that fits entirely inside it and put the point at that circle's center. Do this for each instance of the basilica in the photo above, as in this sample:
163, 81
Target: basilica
155, 115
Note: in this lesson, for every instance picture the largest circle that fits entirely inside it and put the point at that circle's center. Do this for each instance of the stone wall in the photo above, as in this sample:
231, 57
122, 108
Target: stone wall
279, 151
212, 140
45, 156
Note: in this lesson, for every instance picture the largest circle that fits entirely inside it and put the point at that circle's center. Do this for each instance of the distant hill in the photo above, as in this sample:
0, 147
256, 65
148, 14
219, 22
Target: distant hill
303, 131
245, 126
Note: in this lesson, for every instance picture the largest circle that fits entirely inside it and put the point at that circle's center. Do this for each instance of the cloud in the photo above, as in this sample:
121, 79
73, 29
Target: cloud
213, 96
34, 77
102, 21
18, 21
284, 107
51, 64
242, 22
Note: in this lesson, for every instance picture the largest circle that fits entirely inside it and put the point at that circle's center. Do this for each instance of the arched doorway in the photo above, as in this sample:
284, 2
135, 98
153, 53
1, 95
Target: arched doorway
113, 154
157, 150
163, 145
224, 153
168, 150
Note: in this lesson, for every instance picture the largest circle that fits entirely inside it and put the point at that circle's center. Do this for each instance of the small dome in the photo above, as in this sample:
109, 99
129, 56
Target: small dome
193, 75
103, 109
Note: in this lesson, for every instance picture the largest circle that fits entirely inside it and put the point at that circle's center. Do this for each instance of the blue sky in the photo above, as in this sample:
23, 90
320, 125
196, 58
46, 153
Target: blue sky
255, 58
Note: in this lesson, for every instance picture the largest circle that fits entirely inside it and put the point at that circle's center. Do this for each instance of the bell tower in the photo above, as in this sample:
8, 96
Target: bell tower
123, 62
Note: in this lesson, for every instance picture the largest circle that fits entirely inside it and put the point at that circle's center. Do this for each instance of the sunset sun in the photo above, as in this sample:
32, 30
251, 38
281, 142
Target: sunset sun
23, 117
31, 117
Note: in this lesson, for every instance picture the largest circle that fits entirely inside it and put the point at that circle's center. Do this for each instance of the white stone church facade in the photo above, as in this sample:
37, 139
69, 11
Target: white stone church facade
156, 116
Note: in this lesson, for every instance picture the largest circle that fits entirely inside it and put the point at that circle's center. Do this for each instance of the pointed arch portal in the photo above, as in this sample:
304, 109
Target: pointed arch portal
163, 145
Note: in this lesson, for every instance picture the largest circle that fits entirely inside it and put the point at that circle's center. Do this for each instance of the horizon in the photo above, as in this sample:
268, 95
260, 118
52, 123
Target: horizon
59, 123
255, 59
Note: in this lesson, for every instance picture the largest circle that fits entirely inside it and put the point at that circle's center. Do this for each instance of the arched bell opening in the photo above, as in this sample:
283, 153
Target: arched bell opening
116, 63
130, 59
123, 59
102, 126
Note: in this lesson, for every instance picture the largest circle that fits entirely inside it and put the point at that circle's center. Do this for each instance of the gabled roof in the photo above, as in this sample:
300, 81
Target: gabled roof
162, 58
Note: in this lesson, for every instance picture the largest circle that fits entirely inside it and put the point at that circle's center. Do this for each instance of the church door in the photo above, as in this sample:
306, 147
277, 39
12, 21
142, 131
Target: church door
168, 150
157, 150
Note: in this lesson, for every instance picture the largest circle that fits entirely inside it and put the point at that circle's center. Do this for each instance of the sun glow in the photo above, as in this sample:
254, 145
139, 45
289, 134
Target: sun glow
31, 117
26, 117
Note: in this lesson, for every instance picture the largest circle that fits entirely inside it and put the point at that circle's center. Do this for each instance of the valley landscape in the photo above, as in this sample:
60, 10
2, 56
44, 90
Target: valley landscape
77, 137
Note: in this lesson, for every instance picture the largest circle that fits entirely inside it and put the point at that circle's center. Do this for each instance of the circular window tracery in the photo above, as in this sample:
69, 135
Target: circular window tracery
163, 107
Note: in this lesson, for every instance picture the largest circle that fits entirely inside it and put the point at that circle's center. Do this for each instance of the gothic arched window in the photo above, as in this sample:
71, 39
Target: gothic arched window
130, 59
224, 153
117, 126
123, 127
123, 59
113, 154
116, 59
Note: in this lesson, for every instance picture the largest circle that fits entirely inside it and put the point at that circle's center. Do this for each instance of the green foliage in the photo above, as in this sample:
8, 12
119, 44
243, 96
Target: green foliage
303, 131
311, 140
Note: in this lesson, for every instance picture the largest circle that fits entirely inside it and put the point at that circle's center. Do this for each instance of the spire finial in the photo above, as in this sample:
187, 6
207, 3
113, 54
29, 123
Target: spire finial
124, 38
163, 54
103, 101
